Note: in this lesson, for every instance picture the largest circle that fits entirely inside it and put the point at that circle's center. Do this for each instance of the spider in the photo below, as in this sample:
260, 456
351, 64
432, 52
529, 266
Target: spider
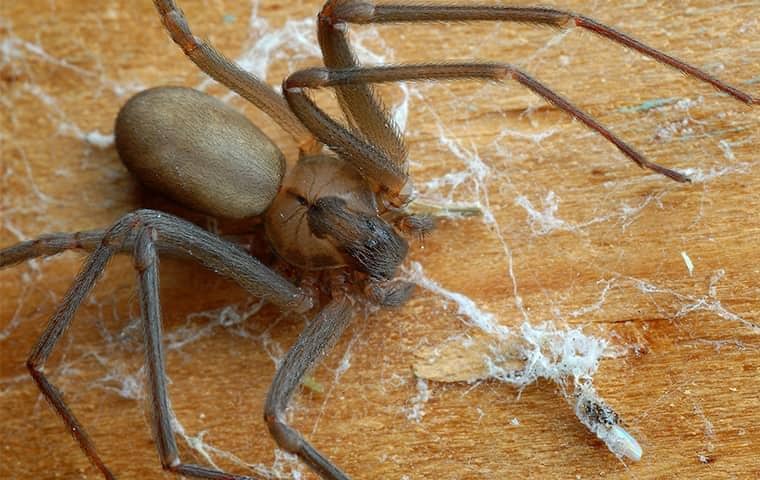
342, 213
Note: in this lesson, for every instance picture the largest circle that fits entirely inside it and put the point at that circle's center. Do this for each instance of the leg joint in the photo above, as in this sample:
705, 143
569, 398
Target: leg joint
336, 13
285, 436
31, 365
171, 464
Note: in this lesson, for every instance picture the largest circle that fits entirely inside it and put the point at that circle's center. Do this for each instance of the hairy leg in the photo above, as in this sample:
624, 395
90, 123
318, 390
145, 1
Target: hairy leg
371, 130
370, 161
363, 108
146, 264
140, 229
313, 343
179, 238
337, 13
229, 74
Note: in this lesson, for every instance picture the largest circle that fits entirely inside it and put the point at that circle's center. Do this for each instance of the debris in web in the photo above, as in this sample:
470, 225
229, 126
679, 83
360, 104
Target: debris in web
600, 418
416, 410
568, 357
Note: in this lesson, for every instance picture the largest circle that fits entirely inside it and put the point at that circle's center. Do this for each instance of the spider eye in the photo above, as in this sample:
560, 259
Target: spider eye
300, 198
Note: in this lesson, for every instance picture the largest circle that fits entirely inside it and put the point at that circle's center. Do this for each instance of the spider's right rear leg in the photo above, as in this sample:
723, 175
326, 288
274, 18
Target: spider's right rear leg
178, 236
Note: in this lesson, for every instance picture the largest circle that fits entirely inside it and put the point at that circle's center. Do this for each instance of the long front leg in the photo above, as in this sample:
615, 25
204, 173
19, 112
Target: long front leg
368, 148
363, 108
371, 161
316, 340
336, 13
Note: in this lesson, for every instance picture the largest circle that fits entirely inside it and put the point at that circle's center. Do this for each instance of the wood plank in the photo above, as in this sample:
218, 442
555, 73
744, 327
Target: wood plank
574, 230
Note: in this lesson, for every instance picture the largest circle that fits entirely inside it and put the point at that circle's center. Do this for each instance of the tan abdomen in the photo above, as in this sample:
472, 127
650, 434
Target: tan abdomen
199, 152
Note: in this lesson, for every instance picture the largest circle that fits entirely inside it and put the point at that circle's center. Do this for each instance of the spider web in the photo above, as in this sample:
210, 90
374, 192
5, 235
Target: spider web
520, 332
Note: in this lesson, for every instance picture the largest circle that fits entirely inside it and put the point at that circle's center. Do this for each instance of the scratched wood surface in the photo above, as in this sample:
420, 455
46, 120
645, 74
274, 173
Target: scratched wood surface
575, 231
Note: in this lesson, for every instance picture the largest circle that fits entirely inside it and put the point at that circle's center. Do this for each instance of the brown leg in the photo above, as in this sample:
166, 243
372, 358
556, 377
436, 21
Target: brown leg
316, 340
229, 74
362, 107
58, 324
139, 228
360, 152
374, 163
373, 143
337, 13
146, 264
50, 244
179, 238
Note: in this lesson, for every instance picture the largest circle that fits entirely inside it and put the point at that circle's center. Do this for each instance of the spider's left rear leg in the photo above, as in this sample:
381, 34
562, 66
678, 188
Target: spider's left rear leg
179, 237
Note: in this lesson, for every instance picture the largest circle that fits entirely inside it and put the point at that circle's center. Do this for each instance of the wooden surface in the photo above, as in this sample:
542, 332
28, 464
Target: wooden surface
608, 259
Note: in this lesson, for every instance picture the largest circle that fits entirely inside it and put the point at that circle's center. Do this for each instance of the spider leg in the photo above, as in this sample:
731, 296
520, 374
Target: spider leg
363, 109
179, 238
146, 264
315, 340
51, 244
229, 74
54, 243
59, 322
336, 13
369, 160
140, 229
389, 293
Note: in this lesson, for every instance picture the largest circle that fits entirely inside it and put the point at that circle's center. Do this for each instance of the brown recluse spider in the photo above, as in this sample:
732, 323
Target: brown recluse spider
341, 213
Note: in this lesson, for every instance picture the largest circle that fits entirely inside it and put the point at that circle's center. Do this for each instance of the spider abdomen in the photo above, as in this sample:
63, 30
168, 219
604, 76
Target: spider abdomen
199, 152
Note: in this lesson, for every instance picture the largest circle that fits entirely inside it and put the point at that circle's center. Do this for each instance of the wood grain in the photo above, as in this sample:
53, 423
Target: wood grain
608, 259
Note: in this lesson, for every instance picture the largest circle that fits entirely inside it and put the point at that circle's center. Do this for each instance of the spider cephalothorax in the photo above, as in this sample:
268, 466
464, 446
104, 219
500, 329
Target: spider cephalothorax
341, 212
326, 216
